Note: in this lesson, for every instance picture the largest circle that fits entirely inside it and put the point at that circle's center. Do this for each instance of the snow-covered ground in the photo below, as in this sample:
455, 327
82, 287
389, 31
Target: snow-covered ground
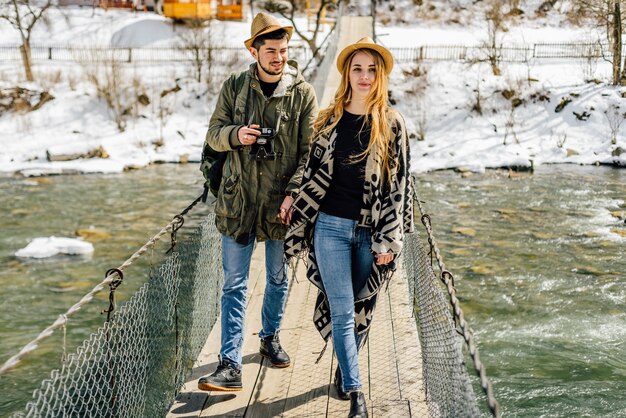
462, 114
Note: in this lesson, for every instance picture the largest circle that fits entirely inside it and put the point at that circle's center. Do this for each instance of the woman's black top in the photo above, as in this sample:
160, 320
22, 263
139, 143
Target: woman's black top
344, 197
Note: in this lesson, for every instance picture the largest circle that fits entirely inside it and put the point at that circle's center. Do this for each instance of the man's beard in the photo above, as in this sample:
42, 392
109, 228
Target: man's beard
269, 71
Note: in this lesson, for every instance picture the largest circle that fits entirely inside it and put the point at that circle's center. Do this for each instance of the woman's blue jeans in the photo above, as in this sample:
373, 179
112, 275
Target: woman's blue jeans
236, 263
344, 257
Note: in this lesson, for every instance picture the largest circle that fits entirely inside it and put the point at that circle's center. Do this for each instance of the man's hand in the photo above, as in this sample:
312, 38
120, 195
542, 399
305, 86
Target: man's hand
247, 134
286, 210
383, 259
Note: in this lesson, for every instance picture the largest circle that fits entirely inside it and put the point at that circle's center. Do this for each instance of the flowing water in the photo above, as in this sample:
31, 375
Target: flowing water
538, 260
540, 268
126, 209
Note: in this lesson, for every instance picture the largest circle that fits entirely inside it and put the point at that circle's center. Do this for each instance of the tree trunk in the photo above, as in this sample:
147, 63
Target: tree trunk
26, 59
198, 58
312, 46
617, 42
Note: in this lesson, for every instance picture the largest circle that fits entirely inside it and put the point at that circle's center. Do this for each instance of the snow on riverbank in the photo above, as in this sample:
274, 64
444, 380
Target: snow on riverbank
533, 113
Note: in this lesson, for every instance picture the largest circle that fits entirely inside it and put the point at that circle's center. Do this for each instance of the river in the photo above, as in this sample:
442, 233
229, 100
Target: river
538, 260
540, 270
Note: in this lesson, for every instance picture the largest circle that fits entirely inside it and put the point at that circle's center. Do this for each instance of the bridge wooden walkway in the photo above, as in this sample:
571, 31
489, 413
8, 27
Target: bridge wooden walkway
391, 364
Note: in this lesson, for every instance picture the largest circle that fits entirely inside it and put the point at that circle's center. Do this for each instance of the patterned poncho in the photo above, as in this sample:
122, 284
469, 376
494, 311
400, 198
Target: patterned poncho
387, 210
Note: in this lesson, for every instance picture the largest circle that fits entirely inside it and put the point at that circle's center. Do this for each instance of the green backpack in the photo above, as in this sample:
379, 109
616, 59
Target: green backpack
212, 165
212, 162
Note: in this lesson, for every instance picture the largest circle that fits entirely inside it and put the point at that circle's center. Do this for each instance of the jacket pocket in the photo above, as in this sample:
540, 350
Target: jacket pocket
229, 199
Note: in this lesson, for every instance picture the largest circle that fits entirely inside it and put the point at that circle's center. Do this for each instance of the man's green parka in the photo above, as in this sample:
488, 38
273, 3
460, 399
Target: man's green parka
251, 192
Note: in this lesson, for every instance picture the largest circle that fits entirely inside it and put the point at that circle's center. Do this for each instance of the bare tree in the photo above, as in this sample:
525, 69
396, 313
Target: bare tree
589, 60
615, 119
104, 70
288, 8
495, 25
478, 98
614, 30
198, 41
509, 126
609, 14
23, 15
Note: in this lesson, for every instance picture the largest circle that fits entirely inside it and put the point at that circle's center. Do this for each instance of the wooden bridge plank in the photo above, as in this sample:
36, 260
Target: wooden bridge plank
401, 303
391, 409
191, 400
407, 345
384, 382
234, 404
269, 397
307, 395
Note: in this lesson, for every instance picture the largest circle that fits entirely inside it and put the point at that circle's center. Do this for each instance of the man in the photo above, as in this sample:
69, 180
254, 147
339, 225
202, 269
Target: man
263, 119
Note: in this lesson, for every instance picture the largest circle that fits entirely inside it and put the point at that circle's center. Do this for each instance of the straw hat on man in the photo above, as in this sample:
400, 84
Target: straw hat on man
264, 23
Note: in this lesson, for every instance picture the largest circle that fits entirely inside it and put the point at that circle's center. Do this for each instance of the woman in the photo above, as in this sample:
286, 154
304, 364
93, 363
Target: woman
354, 207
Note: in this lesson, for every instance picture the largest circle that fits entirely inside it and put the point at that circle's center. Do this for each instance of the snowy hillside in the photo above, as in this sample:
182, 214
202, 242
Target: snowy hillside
459, 114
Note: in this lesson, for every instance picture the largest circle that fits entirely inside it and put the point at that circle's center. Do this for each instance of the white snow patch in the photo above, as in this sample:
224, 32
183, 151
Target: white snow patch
45, 247
142, 33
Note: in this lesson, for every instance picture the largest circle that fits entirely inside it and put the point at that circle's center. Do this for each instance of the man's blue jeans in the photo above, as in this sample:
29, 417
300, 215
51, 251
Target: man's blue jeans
236, 263
344, 256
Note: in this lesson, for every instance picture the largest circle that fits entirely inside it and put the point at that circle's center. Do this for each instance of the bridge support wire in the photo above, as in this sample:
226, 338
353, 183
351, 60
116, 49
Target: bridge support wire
135, 364
112, 277
448, 280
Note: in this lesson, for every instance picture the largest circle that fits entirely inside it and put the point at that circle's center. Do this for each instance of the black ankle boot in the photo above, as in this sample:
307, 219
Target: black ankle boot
338, 384
357, 405
272, 350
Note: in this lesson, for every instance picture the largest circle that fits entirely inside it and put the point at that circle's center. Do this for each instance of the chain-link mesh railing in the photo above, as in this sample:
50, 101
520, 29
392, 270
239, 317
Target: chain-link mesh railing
444, 332
134, 365
449, 392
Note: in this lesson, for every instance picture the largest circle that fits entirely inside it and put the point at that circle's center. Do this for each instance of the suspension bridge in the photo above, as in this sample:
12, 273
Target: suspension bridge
146, 358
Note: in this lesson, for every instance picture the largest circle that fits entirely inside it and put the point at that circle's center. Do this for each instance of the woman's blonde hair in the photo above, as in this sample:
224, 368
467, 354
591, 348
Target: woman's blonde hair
377, 109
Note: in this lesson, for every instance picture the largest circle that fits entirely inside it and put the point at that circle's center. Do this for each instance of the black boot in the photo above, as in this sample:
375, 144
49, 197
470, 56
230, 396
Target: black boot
271, 349
357, 405
338, 384
225, 379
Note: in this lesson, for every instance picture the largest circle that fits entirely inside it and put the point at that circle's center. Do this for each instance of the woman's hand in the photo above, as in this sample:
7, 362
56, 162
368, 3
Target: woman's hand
286, 210
383, 259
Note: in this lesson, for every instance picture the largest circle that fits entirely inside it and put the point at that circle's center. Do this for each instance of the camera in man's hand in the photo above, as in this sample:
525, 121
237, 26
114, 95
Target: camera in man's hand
263, 149
266, 135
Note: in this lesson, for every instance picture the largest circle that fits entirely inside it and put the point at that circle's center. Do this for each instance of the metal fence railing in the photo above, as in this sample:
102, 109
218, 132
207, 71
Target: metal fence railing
508, 53
135, 55
301, 53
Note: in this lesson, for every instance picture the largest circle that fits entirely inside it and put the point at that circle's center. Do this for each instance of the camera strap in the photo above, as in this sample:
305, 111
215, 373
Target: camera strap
245, 111
280, 113
280, 110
